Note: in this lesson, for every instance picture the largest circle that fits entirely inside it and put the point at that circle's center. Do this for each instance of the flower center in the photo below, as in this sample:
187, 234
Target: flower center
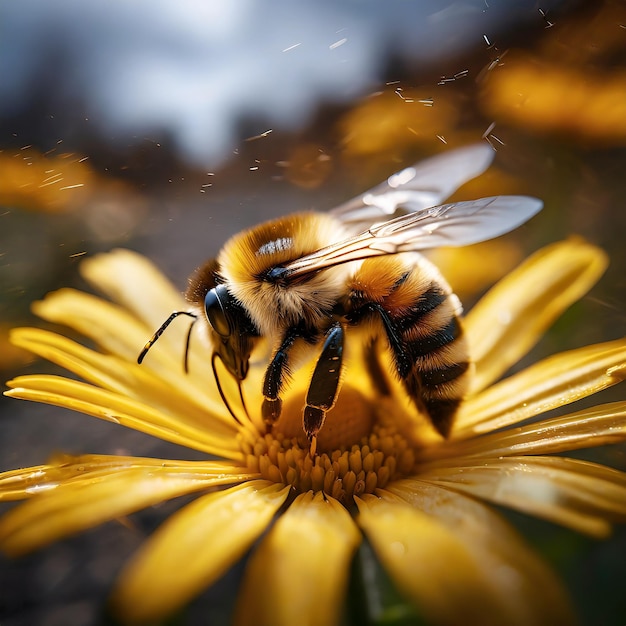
342, 474
355, 454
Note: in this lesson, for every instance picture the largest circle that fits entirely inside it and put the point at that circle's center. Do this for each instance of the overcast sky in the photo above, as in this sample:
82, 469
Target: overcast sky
194, 67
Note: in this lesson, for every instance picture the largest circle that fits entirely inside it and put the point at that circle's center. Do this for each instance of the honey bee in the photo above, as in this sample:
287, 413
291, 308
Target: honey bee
304, 282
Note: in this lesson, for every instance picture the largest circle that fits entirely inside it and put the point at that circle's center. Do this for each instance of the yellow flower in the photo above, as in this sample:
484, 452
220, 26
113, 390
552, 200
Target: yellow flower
379, 471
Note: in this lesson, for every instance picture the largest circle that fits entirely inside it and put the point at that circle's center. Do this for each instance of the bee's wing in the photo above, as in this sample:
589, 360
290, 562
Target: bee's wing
423, 185
456, 224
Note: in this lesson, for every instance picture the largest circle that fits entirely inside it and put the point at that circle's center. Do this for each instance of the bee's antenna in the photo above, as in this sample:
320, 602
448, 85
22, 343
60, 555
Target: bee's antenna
219, 386
161, 330
187, 342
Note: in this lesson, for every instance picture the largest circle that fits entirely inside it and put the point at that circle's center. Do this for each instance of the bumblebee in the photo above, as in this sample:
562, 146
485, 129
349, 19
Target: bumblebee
307, 281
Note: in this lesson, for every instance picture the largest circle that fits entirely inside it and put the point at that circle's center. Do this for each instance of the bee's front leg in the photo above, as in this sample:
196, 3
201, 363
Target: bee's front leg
277, 373
273, 384
324, 386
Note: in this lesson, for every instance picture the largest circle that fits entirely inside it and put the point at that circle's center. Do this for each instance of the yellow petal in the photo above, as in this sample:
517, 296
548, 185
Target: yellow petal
514, 314
430, 565
528, 592
549, 384
75, 506
600, 425
66, 469
581, 495
134, 282
193, 548
121, 333
109, 325
119, 409
174, 394
299, 573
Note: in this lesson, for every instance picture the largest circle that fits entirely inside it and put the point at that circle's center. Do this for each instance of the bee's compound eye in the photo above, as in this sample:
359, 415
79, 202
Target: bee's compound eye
214, 306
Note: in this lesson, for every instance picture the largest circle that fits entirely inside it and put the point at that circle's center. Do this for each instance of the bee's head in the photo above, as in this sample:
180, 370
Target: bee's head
232, 329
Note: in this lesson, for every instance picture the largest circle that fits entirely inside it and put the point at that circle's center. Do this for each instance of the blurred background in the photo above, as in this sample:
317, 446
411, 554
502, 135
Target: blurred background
166, 127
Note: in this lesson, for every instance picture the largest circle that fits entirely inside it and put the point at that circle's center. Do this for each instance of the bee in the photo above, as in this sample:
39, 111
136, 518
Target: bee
306, 281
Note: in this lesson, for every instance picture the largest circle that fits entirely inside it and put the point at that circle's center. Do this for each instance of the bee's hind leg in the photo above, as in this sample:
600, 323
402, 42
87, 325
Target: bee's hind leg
324, 386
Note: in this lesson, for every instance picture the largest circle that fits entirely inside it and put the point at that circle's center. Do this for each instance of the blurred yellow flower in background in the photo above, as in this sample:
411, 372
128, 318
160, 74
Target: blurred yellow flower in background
546, 96
392, 121
380, 472
570, 83
52, 184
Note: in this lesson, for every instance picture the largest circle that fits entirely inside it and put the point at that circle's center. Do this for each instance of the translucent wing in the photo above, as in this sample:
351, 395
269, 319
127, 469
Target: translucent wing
423, 185
456, 224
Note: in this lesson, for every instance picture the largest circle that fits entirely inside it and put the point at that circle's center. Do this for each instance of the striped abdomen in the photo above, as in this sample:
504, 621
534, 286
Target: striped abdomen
420, 316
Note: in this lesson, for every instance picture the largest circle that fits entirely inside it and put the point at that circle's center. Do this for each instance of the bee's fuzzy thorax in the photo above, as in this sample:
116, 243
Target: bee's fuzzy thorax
246, 258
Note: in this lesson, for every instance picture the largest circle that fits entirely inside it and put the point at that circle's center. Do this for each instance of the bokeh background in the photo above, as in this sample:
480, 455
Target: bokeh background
166, 127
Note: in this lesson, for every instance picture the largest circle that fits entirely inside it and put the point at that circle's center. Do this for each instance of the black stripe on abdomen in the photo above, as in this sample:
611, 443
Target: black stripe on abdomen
445, 374
435, 340
427, 302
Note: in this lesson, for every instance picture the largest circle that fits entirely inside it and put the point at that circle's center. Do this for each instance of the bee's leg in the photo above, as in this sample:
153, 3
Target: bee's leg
324, 385
273, 383
275, 376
